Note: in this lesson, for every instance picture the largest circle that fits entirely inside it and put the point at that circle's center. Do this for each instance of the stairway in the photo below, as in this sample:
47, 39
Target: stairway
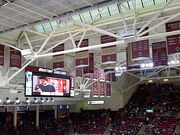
107, 129
142, 130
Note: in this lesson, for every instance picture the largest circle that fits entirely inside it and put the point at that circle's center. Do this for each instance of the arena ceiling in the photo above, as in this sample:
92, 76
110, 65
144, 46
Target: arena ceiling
43, 24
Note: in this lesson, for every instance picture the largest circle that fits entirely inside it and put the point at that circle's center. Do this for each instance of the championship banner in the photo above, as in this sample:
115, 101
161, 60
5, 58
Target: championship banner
96, 74
130, 64
110, 76
1, 55
173, 42
140, 49
58, 60
82, 56
79, 72
101, 75
102, 89
15, 59
113, 77
108, 53
108, 89
159, 54
90, 68
95, 89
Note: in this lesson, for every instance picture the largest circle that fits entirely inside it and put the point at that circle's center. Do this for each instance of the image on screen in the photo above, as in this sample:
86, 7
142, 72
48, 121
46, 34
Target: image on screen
50, 86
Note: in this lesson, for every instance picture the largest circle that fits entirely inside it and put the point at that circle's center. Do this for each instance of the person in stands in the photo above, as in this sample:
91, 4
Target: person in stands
44, 86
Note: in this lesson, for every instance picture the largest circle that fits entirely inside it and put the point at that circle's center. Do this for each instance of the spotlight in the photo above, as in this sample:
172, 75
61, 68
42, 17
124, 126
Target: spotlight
35, 100
124, 68
116, 68
8, 100
52, 100
151, 64
47, 100
165, 80
17, 100
42, 100
143, 65
0, 100
173, 62
150, 81
27, 100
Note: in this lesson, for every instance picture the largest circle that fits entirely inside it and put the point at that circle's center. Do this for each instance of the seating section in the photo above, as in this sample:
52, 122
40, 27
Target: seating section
162, 99
164, 125
91, 122
129, 126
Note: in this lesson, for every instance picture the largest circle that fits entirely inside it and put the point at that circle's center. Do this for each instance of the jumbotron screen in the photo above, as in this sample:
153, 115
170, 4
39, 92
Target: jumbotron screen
47, 82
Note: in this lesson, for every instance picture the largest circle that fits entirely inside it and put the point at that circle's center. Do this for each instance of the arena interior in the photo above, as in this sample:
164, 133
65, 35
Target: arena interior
89, 67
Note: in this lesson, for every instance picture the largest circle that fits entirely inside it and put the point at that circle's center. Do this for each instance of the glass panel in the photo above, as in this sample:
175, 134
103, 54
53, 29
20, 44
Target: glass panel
39, 28
113, 9
95, 14
159, 1
86, 17
148, 3
54, 24
138, 4
76, 17
125, 7
47, 27
104, 12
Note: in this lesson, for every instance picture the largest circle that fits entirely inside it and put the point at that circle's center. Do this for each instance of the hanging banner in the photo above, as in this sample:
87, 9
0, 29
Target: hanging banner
1, 55
173, 42
95, 89
82, 56
15, 59
159, 54
140, 49
58, 60
96, 74
79, 72
102, 89
129, 63
108, 89
90, 68
101, 75
113, 77
108, 53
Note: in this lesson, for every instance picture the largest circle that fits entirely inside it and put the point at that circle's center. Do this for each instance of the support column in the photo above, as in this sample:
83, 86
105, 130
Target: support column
15, 117
55, 111
37, 116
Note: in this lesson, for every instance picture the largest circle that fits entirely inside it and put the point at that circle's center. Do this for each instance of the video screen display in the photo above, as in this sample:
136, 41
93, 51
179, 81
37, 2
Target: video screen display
41, 84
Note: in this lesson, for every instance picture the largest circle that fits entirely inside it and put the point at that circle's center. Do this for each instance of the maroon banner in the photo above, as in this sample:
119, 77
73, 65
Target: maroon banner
101, 75
108, 53
108, 90
90, 68
159, 54
108, 77
82, 56
58, 60
172, 26
129, 63
96, 73
140, 50
79, 72
102, 89
15, 59
95, 89
1, 55
173, 42
113, 77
